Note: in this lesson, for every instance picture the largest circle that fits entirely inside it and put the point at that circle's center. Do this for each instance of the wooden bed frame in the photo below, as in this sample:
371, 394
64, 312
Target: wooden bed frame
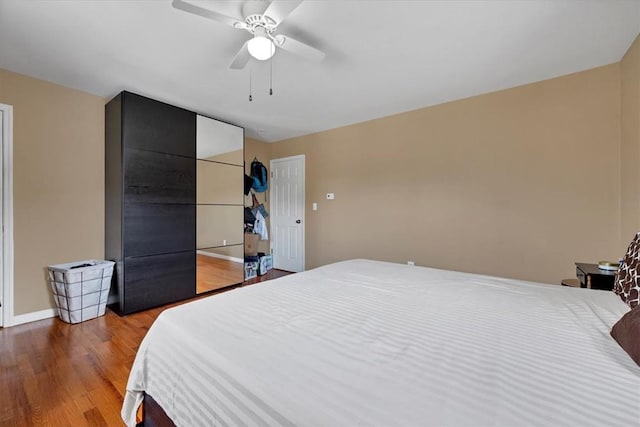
153, 415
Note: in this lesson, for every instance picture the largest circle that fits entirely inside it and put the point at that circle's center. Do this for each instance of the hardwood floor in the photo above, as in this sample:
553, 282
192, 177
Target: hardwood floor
271, 274
56, 374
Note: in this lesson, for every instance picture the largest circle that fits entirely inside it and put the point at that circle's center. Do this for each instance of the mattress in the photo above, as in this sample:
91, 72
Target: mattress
370, 343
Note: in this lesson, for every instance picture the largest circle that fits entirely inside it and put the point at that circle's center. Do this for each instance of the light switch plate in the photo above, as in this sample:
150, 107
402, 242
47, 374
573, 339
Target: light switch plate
314, 206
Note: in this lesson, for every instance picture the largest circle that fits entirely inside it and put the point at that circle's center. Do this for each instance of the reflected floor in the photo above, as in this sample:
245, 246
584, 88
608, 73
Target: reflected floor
215, 273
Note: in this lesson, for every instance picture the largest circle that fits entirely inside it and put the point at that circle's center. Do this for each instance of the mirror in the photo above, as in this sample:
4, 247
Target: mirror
220, 201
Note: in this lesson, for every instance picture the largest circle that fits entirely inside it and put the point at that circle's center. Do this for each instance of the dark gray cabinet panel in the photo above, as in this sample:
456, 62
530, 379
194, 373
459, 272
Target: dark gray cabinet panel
158, 280
156, 126
158, 178
151, 229
150, 195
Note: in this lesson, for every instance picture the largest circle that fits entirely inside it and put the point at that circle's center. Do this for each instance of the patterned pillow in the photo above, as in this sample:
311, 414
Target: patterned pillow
627, 283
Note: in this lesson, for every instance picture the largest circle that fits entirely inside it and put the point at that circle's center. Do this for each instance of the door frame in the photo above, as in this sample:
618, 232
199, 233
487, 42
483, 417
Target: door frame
6, 263
304, 203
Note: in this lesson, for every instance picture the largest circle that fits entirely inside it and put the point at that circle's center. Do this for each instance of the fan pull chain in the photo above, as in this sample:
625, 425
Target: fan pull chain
250, 85
271, 72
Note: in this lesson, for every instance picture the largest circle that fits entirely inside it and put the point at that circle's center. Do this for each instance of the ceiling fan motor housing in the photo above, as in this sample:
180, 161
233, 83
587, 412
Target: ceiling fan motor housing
254, 21
254, 18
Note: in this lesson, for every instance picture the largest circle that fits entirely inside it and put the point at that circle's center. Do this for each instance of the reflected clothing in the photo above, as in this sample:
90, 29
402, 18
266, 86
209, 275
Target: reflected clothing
260, 226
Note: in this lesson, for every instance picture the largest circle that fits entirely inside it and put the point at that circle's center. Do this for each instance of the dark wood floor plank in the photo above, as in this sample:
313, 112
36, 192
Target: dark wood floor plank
94, 418
56, 374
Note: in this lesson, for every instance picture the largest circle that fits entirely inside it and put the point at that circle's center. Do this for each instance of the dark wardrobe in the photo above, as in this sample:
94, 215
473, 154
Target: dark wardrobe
150, 201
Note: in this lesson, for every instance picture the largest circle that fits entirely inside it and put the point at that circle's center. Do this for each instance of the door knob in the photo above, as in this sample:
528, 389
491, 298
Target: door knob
298, 221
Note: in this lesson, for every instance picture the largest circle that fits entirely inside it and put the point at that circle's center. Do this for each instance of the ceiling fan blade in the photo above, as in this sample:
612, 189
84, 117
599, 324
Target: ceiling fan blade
242, 57
298, 48
278, 10
207, 13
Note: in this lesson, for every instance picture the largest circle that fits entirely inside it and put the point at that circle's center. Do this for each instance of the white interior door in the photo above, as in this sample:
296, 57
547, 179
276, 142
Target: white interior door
287, 213
6, 215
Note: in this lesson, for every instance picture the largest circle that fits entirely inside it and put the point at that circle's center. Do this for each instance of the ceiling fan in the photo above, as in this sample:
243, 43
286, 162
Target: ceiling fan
261, 19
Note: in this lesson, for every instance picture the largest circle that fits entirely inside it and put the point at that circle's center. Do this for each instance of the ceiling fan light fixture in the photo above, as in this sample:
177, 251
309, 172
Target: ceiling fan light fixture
261, 48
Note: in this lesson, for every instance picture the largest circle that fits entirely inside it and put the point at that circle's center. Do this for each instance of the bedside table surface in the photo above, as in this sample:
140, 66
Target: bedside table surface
593, 269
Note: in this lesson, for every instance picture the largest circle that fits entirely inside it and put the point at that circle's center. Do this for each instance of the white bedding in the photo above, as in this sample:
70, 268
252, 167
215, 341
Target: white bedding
378, 344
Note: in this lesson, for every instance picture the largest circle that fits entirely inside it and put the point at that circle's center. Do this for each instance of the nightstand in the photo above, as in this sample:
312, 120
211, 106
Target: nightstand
590, 276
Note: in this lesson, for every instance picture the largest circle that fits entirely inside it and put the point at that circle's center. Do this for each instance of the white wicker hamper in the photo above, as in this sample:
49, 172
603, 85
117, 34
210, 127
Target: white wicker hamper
81, 289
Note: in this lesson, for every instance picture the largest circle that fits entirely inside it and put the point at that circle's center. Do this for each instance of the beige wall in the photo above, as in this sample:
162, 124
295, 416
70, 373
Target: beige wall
58, 172
518, 183
261, 150
630, 144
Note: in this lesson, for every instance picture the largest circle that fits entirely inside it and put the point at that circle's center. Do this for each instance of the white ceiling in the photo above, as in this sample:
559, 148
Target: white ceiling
383, 57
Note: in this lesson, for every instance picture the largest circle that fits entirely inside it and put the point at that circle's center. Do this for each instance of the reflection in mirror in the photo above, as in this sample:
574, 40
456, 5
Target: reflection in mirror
219, 226
219, 183
218, 141
216, 268
219, 210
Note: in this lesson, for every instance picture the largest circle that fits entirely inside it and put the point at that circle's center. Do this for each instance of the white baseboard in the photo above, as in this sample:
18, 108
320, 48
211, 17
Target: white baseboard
33, 316
228, 258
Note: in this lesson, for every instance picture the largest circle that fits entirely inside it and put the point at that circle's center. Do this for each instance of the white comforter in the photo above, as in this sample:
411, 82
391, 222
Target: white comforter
378, 344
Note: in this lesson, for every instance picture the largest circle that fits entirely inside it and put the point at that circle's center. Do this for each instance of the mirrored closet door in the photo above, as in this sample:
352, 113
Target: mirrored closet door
219, 199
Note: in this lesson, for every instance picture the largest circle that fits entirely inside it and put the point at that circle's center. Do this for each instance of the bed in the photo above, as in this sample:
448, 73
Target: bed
372, 343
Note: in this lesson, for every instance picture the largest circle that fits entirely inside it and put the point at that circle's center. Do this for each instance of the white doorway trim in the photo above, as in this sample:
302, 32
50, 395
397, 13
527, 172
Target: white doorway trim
274, 201
6, 263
